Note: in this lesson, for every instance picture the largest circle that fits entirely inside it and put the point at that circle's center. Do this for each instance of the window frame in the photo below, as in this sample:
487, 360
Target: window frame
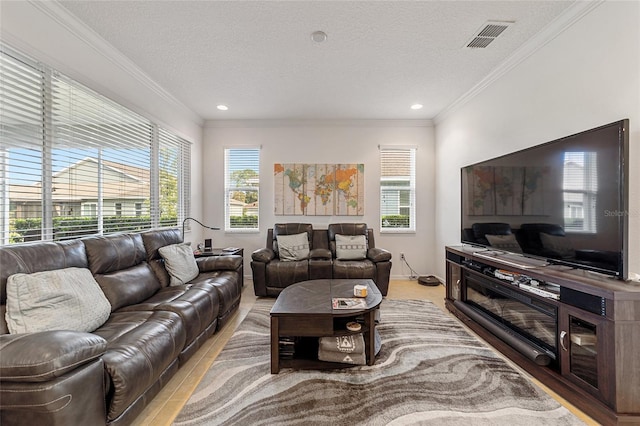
229, 187
386, 189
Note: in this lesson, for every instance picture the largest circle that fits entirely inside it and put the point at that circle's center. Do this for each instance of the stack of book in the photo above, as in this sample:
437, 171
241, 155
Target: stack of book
287, 347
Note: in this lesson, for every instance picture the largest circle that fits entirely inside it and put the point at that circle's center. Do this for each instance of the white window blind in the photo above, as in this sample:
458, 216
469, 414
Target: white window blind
242, 184
75, 163
174, 171
21, 138
101, 155
397, 189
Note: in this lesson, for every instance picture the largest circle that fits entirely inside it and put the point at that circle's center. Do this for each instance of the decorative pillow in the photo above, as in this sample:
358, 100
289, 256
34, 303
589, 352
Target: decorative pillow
504, 242
179, 262
62, 299
293, 247
557, 244
351, 247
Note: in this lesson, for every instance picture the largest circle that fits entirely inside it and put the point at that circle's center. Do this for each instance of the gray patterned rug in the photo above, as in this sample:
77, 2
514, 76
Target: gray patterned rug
430, 370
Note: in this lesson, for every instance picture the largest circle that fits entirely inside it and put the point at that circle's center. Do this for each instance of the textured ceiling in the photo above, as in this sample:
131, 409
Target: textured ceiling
258, 57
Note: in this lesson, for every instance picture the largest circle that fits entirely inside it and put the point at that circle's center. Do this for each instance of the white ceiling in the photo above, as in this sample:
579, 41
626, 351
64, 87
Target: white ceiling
258, 57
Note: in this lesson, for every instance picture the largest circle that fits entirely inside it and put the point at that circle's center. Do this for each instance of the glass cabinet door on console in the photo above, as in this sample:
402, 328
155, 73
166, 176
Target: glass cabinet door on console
582, 342
454, 277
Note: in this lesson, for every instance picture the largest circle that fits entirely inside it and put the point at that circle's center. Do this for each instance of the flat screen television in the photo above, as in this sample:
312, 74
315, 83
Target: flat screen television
563, 201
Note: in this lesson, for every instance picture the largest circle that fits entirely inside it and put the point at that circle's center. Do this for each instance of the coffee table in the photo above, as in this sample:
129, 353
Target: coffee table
305, 310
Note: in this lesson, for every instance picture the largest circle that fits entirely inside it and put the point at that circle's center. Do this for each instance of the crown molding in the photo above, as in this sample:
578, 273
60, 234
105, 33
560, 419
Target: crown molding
570, 16
274, 123
89, 37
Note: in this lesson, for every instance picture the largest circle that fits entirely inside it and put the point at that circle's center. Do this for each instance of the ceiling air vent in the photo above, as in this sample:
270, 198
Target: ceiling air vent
487, 33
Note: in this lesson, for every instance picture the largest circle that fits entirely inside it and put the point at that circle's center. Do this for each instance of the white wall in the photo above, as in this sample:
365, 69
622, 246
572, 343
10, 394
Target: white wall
325, 142
48, 33
587, 76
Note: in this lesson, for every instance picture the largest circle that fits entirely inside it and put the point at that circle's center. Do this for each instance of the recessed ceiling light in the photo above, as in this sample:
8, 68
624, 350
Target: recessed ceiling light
318, 36
222, 107
416, 106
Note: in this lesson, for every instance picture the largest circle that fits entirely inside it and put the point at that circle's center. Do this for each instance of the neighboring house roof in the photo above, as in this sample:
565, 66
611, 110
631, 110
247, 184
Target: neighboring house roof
78, 182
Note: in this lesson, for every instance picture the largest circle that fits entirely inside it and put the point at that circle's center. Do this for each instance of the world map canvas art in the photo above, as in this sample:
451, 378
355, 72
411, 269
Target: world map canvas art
319, 189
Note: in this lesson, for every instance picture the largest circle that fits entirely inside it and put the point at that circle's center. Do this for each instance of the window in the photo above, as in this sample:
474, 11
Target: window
74, 163
397, 189
242, 183
580, 187
174, 159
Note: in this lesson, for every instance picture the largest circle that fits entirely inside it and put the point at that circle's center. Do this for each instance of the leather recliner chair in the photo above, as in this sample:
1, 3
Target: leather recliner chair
271, 274
376, 265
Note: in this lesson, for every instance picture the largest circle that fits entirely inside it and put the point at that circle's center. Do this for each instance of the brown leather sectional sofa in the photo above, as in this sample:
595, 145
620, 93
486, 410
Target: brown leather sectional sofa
109, 375
272, 274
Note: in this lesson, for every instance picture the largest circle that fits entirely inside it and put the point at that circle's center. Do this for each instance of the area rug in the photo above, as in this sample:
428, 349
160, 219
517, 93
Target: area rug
430, 370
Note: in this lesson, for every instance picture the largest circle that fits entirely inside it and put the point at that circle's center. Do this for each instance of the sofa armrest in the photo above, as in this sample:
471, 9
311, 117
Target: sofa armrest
263, 255
320, 253
376, 255
42, 356
219, 263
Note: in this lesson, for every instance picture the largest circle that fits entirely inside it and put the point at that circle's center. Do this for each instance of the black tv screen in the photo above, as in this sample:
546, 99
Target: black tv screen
564, 201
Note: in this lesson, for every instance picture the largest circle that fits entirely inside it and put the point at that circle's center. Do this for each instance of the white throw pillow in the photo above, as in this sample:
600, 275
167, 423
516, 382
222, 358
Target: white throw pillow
180, 263
62, 299
351, 247
293, 247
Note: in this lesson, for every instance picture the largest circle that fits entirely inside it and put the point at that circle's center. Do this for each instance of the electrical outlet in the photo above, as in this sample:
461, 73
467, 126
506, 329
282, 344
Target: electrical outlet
401, 256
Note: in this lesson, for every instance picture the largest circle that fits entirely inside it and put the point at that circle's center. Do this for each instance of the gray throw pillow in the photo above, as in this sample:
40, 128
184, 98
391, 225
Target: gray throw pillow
293, 247
179, 262
504, 242
62, 299
351, 247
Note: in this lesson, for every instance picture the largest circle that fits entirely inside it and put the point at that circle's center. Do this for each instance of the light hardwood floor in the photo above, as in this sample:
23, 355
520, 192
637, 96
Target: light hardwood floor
167, 404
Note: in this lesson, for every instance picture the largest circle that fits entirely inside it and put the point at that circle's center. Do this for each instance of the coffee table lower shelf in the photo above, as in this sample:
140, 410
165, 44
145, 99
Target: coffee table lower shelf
306, 351
306, 355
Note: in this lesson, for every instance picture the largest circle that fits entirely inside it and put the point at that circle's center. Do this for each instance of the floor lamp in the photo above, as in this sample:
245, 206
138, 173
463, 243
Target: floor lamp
199, 223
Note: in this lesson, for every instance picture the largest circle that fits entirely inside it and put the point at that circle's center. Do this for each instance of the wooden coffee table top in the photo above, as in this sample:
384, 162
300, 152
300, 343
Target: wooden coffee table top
314, 297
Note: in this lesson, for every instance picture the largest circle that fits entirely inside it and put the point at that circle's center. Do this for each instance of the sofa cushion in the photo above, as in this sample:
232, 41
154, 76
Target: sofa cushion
114, 252
197, 305
180, 263
282, 274
141, 347
354, 269
228, 288
128, 286
351, 247
155, 239
43, 356
62, 299
293, 247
